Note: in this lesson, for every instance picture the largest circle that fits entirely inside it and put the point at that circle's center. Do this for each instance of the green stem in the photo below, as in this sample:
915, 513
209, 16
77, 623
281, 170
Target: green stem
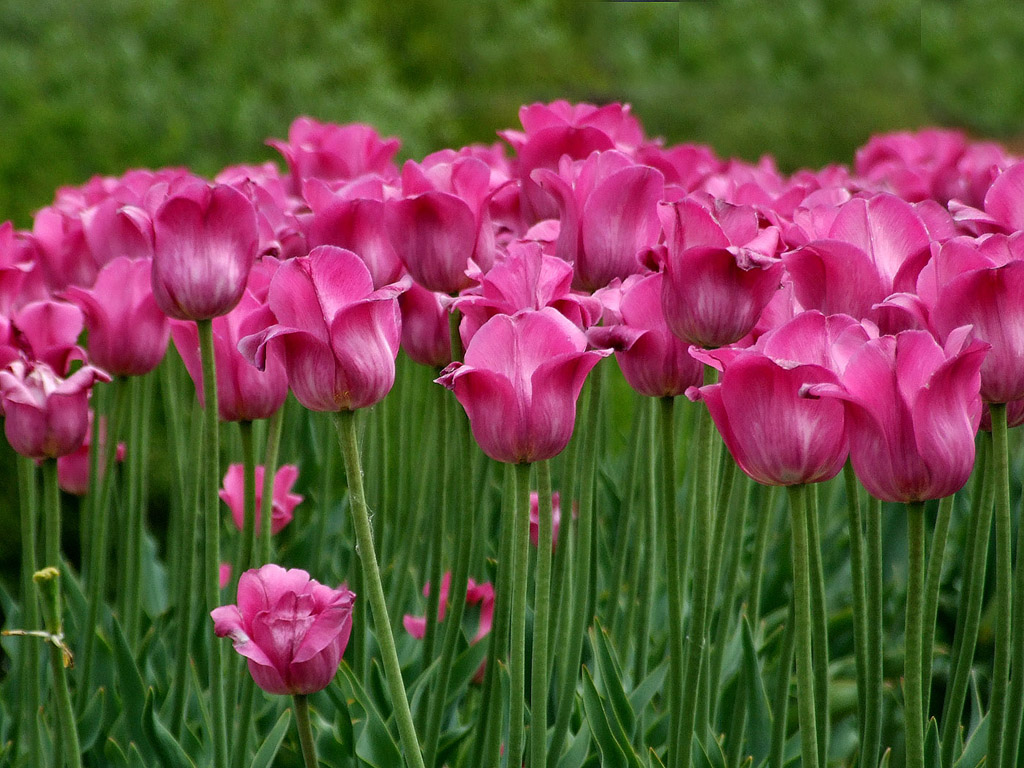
1004, 586
819, 619
28, 498
580, 616
971, 597
913, 712
873, 686
804, 663
645, 596
248, 533
626, 543
133, 549
211, 572
371, 578
244, 722
670, 525
488, 746
764, 524
859, 579
300, 705
541, 613
1015, 698
697, 637
445, 436
517, 638
51, 514
931, 597
48, 581
780, 699
467, 521
99, 549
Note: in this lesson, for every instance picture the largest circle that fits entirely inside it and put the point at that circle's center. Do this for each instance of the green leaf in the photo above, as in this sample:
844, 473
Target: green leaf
132, 689
612, 754
932, 748
652, 684
576, 755
886, 756
116, 758
759, 715
976, 708
268, 750
464, 668
165, 744
90, 722
611, 679
374, 743
711, 749
653, 760
976, 747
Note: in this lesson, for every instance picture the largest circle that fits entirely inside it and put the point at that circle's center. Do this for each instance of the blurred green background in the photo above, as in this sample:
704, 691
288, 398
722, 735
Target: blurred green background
98, 86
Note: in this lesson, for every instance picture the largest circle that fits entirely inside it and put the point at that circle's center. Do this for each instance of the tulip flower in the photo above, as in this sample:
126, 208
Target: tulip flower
425, 334
912, 411
291, 629
284, 501
128, 333
776, 436
47, 331
46, 415
244, 393
337, 335
519, 384
204, 243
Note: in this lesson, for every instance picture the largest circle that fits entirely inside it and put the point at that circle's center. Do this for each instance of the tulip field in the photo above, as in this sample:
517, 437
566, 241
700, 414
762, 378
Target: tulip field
577, 449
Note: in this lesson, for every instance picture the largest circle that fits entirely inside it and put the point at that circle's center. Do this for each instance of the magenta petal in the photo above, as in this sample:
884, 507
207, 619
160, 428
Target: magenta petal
835, 278
364, 341
1005, 198
496, 415
415, 625
556, 386
435, 235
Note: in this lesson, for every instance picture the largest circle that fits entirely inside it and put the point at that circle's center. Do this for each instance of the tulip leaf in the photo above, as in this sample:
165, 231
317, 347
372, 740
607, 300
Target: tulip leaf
464, 669
116, 758
975, 748
886, 757
652, 684
169, 749
135, 758
653, 760
268, 750
611, 679
712, 752
759, 717
132, 689
932, 748
374, 743
576, 755
612, 741
90, 722
976, 708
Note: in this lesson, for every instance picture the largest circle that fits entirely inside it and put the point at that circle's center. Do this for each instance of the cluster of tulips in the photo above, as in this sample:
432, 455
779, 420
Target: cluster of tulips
865, 317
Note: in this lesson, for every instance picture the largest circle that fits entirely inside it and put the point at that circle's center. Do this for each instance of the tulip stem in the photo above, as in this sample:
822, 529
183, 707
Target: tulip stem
541, 614
1004, 585
300, 703
913, 714
1011, 738
780, 699
100, 494
580, 616
648, 579
873, 667
517, 641
456, 593
819, 618
48, 581
28, 497
673, 570
211, 573
248, 547
859, 579
931, 597
132, 556
437, 540
346, 425
274, 425
804, 663
697, 636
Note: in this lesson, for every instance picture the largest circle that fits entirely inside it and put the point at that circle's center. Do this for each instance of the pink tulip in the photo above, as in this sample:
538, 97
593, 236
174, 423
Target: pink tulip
337, 335
73, 468
316, 150
291, 629
442, 227
608, 208
654, 361
282, 234
981, 284
224, 575
20, 276
720, 272
526, 278
426, 337
204, 241
128, 333
244, 393
776, 436
47, 331
556, 518
912, 411
46, 415
283, 504
519, 384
